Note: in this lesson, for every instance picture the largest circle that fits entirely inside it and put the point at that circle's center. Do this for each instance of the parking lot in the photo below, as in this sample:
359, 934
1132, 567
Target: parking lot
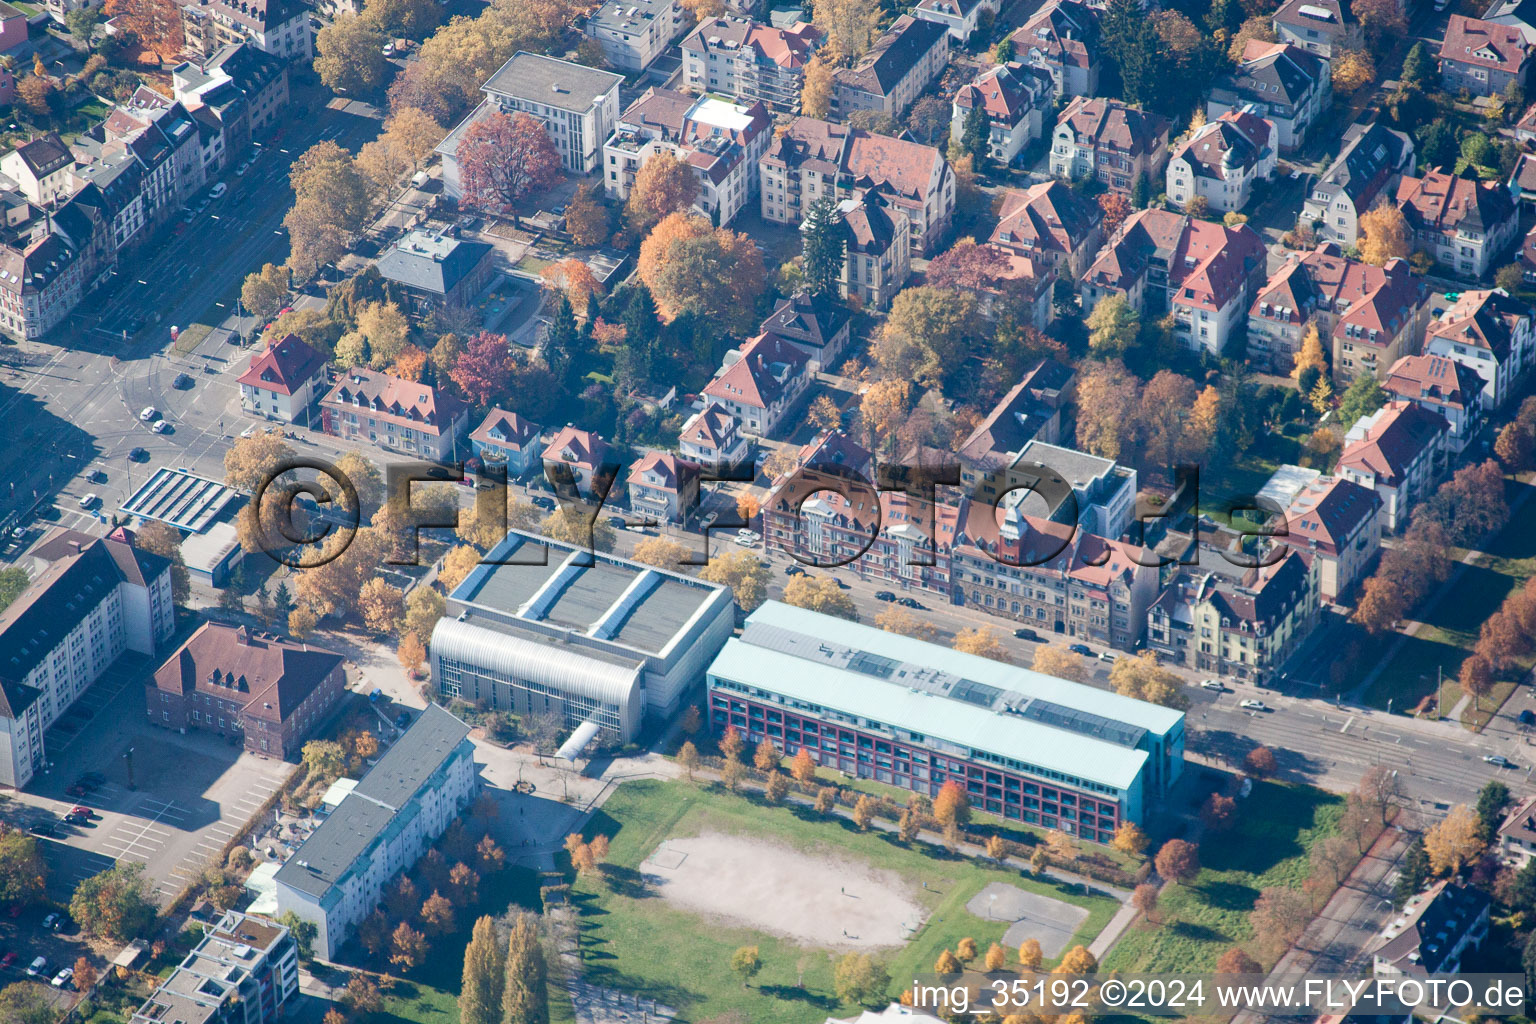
166, 800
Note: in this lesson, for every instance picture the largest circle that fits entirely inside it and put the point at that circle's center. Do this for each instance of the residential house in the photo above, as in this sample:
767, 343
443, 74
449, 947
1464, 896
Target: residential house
894, 71
1433, 932
258, 76
283, 381
1517, 836
877, 253
1240, 624
1368, 168
1053, 224
1204, 273
664, 486
105, 600
1063, 485
1062, 38
508, 439
1367, 317
1522, 182
720, 140
395, 414
1058, 578
1281, 83
1526, 260
1465, 225
1400, 451
746, 59
1336, 523
1326, 27
243, 969
277, 27
1451, 390
268, 690
1025, 285
578, 106
44, 275
1222, 162
712, 437
1106, 139
1491, 334
585, 455
813, 158
41, 168
223, 111
1014, 98
760, 385
633, 33
416, 789
1483, 58
832, 451
814, 324
823, 518
960, 17
435, 270
1518, 14
1031, 410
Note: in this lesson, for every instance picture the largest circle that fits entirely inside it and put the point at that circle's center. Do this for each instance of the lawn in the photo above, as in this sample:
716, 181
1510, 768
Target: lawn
430, 995
638, 943
1450, 628
1277, 824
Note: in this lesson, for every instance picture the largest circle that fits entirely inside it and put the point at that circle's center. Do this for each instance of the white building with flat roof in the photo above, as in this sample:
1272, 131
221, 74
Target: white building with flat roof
633, 33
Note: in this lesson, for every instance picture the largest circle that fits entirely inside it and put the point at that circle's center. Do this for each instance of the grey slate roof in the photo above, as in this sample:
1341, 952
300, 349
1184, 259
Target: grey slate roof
431, 263
1367, 163
548, 80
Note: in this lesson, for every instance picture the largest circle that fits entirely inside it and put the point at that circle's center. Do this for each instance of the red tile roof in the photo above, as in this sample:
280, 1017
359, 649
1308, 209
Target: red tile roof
404, 402
578, 447
1434, 379
511, 430
762, 374
1380, 299
270, 675
1048, 217
1328, 510
1440, 203
710, 428
675, 472
1484, 44
1482, 318
1395, 439
283, 366
1112, 125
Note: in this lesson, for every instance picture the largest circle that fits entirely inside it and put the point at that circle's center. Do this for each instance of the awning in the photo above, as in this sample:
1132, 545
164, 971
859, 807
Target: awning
584, 734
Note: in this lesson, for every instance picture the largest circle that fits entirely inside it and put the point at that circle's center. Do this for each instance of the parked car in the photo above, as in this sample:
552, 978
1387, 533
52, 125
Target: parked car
37, 967
240, 171
1106, 656
1528, 717
1082, 649
1253, 705
1213, 684
93, 779
62, 979
250, 431
8, 959
547, 504
148, 413
218, 190
89, 501
139, 455
81, 812
793, 570
617, 522
46, 829
52, 922
885, 595
1498, 760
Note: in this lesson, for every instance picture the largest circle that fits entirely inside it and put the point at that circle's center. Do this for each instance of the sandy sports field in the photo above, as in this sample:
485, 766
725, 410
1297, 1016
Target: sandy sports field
825, 900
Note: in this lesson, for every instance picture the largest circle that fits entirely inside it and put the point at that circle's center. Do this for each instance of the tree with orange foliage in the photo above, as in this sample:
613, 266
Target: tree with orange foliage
952, 806
1117, 207
691, 266
664, 185
576, 279
410, 364
155, 23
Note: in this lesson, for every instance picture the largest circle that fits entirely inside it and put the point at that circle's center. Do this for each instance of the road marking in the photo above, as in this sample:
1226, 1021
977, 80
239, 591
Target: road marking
1347, 724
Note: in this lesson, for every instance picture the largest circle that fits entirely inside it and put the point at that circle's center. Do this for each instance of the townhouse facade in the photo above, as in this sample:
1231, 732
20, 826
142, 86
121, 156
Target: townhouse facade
721, 141
1222, 162
1105, 139
1400, 451
814, 324
664, 486
812, 158
877, 250
1450, 390
1337, 524
1368, 168
1490, 334
1053, 224
1281, 83
1242, 625
761, 385
713, 438
1062, 39
894, 71
283, 381
280, 28
41, 168
395, 414
1465, 225
633, 33
757, 63
510, 439
1014, 98
1367, 317
585, 456
1203, 273
1483, 58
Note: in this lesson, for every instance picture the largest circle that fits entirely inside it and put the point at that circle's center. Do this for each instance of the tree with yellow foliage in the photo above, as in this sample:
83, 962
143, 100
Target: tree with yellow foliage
820, 594
1321, 397
1455, 841
983, 641
996, 959
457, 565
1030, 954
1383, 235
1059, 662
661, 552
1352, 71
1143, 678
816, 88
900, 621
1130, 839
1310, 353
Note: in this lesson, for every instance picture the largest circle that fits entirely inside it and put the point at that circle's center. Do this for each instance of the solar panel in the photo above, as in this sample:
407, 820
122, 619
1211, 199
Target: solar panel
975, 693
1083, 722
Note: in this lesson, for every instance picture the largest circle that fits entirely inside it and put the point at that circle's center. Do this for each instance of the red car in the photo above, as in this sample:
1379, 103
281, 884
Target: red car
7, 960
82, 813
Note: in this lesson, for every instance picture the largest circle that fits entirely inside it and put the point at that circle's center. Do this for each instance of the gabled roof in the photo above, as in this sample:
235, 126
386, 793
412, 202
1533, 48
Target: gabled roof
504, 429
1484, 44
1386, 444
405, 402
868, 227
1207, 263
906, 168
1049, 216
1017, 417
1434, 379
1271, 72
762, 373
1234, 141
1440, 202
1364, 297
44, 155
283, 366
1110, 124
1328, 510
1007, 92
789, 47
833, 451
578, 447
893, 55
269, 675
1481, 318
1016, 539
1331, 18
710, 428
1367, 163
1063, 32
675, 473
808, 320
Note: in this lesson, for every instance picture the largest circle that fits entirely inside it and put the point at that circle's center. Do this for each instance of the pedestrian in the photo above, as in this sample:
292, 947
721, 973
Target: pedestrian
843, 891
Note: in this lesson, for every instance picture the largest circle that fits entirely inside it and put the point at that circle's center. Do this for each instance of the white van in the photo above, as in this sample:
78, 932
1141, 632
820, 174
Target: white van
420, 179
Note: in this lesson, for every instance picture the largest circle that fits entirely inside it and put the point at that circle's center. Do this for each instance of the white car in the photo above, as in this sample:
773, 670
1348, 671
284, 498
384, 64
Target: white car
1106, 656
249, 431
1498, 760
240, 171
89, 501
37, 967
218, 191
1252, 705
149, 413
160, 426
1212, 684
63, 977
